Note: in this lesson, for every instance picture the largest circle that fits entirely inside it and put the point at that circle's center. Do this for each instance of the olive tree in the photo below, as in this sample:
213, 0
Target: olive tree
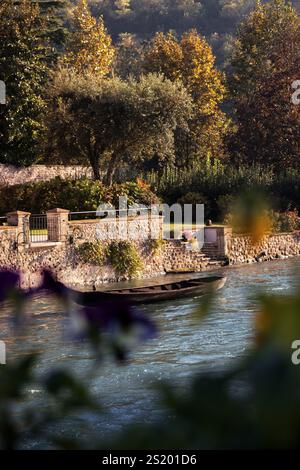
110, 122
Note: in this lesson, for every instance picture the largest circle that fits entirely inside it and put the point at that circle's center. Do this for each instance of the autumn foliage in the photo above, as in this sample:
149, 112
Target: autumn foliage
191, 60
90, 48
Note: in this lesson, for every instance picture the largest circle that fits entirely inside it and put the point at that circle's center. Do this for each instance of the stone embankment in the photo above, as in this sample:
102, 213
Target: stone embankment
56, 248
240, 249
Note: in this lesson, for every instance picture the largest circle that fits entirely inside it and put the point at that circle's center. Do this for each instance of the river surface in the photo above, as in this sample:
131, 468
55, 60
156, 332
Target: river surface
183, 347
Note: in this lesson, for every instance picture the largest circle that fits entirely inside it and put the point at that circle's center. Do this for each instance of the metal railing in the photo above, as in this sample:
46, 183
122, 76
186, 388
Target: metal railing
90, 215
38, 228
42, 229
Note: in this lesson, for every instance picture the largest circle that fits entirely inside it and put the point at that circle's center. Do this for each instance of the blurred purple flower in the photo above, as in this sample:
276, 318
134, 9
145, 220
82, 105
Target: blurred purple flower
115, 317
108, 314
111, 314
9, 281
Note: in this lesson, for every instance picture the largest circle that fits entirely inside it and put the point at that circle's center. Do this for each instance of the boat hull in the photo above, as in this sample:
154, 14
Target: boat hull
174, 290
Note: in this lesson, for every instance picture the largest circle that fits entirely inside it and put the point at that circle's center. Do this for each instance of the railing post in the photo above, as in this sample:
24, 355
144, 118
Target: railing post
20, 219
57, 224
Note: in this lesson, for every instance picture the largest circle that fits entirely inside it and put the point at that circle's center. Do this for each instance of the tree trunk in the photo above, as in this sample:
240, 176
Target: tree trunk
111, 170
96, 169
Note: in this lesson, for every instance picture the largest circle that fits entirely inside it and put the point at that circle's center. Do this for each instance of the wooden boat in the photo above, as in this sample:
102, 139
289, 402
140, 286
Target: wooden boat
148, 294
182, 271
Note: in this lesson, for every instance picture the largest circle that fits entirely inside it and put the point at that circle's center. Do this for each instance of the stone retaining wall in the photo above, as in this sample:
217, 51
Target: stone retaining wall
11, 175
63, 260
60, 254
239, 248
221, 244
132, 228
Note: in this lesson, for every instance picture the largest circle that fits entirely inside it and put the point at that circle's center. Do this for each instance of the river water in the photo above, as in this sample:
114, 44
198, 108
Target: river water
183, 347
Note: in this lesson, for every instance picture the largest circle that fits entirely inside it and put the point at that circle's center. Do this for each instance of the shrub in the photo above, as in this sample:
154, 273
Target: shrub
125, 258
192, 198
286, 221
76, 195
92, 253
220, 183
225, 204
210, 179
195, 198
156, 244
136, 192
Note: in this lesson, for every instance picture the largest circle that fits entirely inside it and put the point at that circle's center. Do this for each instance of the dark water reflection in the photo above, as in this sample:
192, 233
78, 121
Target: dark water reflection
183, 347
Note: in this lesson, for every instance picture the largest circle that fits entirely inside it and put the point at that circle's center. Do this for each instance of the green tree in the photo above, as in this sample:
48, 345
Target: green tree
24, 72
265, 64
54, 13
110, 122
265, 27
191, 60
128, 56
122, 7
216, 19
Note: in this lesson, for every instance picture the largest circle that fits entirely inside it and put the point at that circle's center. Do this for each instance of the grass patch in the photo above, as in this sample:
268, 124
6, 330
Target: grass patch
42, 231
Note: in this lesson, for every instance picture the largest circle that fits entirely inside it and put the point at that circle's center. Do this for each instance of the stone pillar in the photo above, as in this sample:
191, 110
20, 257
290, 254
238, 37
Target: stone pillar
58, 225
217, 238
20, 219
227, 238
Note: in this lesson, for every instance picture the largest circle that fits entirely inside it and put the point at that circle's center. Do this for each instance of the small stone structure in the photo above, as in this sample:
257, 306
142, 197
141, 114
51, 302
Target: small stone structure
19, 219
133, 228
215, 242
57, 224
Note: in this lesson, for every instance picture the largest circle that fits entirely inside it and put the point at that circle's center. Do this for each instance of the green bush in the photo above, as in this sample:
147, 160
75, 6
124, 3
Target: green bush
192, 198
286, 221
155, 245
125, 258
92, 253
225, 204
136, 192
219, 184
75, 195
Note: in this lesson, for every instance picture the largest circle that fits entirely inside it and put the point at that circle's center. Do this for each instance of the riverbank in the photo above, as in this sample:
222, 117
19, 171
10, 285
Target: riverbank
58, 248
